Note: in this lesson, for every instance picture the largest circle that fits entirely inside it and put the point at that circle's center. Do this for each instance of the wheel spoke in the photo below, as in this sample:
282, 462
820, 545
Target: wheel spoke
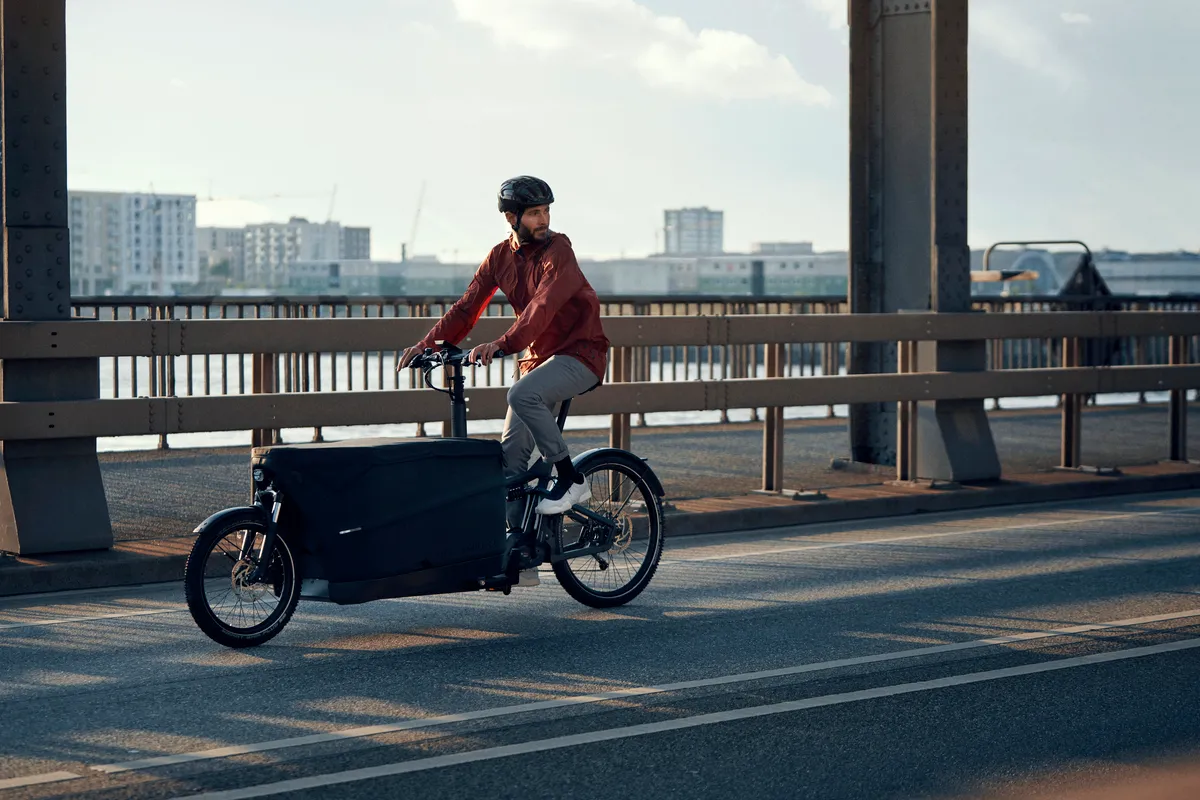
613, 488
233, 603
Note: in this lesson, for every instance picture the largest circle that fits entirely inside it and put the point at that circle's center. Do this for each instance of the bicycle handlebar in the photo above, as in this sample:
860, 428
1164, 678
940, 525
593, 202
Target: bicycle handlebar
448, 355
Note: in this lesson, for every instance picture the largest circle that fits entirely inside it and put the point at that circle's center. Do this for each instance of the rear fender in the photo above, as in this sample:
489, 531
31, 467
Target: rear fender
636, 463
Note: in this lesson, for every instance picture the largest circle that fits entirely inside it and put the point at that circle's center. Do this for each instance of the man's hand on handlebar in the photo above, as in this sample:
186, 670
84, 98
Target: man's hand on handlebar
408, 355
483, 354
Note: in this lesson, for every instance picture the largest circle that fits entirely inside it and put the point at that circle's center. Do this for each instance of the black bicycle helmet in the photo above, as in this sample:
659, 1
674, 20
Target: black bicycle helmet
522, 192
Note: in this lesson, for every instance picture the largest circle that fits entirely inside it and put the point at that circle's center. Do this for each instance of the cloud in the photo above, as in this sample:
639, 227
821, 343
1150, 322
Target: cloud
420, 30
1076, 18
997, 28
834, 10
664, 51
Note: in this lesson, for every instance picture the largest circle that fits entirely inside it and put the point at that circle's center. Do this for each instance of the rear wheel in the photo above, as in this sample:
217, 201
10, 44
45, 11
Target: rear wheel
227, 606
625, 499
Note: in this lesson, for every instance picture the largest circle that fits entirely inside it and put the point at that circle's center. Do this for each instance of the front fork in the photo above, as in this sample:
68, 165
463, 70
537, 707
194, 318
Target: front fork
268, 547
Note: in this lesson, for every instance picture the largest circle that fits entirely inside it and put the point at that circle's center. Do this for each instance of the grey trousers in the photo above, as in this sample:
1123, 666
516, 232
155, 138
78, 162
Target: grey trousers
531, 419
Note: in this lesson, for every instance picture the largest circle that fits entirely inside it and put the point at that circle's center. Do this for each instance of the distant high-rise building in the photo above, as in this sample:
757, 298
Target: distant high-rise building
693, 231
221, 245
272, 248
355, 244
132, 243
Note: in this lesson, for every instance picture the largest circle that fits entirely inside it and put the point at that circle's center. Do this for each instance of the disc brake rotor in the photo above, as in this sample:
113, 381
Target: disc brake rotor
246, 592
623, 537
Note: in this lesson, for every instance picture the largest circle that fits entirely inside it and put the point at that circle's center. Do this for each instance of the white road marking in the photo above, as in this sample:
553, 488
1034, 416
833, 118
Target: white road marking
620, 694
8, 626
612, 734
34, 780
942, 534
724, 556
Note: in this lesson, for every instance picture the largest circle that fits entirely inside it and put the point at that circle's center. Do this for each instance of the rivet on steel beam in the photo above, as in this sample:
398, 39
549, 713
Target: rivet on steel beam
20, 309
28, 272
19, 286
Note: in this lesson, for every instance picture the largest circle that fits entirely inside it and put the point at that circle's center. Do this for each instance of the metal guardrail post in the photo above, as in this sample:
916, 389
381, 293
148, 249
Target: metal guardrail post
1178, 406
772, 470
262, 382
620, 435
162, 369
1072, 410
906, 418
830, 366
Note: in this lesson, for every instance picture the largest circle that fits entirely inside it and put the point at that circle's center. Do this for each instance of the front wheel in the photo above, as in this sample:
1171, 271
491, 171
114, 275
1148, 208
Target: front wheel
225, 604
622, 496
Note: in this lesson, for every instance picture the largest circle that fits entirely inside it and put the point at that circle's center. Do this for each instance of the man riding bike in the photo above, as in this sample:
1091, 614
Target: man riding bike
558, 320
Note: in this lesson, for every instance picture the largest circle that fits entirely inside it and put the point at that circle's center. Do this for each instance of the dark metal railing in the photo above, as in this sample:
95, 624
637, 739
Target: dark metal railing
232, 374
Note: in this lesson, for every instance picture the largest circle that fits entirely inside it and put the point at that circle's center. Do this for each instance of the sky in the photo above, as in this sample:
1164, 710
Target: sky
1083, 116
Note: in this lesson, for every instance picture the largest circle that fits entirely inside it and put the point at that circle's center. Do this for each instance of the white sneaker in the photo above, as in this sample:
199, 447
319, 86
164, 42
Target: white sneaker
528, 577
578, 493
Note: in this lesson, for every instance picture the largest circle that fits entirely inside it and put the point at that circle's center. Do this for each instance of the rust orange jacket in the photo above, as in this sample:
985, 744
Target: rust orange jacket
557, 309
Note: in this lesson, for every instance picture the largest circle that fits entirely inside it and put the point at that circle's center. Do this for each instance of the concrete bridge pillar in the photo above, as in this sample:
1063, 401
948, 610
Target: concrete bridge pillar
908, 220
51, 493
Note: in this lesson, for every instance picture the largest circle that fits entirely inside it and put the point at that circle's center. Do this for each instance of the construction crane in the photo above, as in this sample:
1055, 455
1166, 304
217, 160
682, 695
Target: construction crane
332, 199
412, 234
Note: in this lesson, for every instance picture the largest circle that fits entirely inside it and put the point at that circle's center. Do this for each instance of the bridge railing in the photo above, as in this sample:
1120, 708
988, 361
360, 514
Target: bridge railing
271, 405
238, 373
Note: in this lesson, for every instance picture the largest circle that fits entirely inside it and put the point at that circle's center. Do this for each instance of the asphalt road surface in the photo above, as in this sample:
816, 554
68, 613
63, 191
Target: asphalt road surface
1051, 651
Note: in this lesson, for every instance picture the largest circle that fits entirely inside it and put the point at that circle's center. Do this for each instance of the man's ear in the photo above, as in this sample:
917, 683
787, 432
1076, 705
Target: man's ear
511, 217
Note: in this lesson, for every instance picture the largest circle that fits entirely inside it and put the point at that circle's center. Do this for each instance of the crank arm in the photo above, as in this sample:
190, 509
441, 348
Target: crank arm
579, 552
582, 515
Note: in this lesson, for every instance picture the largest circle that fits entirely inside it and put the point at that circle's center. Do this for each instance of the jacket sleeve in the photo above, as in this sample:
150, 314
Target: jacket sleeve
560, 281
458, 321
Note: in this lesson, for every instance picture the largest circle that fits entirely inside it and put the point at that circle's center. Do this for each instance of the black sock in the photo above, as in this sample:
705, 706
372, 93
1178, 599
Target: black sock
566, 472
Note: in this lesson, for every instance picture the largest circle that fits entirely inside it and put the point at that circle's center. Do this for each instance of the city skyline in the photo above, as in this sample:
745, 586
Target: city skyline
1077, 129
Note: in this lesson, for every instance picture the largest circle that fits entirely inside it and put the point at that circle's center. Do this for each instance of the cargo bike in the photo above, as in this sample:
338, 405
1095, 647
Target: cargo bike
369, 519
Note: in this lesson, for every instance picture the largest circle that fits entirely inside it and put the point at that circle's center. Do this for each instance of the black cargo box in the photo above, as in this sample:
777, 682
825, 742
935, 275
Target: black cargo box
375, 508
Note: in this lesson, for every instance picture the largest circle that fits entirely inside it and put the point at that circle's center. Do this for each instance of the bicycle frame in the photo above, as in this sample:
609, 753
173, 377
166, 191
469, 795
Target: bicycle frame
451, 359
